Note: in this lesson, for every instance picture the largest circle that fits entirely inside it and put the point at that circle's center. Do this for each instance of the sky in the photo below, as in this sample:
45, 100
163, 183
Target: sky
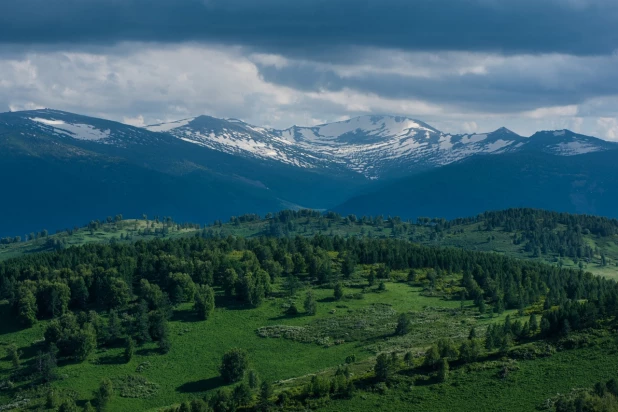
461, 65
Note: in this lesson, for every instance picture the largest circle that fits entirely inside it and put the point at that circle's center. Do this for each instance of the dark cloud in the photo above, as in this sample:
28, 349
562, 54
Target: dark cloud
297, 27
517, 83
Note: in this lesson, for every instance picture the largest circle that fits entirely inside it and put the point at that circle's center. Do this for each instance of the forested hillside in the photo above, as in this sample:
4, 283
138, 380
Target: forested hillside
578, 241
193, 321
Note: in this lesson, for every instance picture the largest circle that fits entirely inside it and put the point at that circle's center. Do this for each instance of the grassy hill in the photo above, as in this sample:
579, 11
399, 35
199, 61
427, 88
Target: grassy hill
326, 360
471, 234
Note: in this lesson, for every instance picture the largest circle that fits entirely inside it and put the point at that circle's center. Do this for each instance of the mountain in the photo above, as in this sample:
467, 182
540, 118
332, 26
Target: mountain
63, 168
587, 183
374, 146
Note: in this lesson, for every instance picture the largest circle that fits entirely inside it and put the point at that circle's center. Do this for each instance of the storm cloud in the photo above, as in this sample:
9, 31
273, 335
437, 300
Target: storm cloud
463, 65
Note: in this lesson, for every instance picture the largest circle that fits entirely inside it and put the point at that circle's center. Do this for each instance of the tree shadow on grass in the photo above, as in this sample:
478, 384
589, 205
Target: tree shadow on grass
111, 360
203, 385
147, 351
329, 299
231, 303
185, 316
9, 323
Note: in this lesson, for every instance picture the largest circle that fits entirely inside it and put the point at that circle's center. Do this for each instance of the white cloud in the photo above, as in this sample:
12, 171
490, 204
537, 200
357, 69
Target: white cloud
608, 128
556, 111
148, 83
134, 121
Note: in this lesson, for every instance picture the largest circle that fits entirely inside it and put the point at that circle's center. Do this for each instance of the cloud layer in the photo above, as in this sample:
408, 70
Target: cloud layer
462, 65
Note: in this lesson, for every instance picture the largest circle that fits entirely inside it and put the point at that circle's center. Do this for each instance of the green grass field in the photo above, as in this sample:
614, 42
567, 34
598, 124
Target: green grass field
190, 369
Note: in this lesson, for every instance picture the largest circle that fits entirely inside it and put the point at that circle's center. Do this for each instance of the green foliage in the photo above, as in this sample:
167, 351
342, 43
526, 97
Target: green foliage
234, 364
104, 394
338, 291
68, 405
129, 349
383, 367
266, 393
182, 287
253, 379
443, 370
310, 304
71, 338
135, 387
204, 301
432, 357
403, 325
13, 353
26, 306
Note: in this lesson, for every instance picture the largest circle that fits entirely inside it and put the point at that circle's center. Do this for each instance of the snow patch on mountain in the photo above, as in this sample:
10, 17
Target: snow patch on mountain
166, 127
76, 131
575, 148
475, 138
497, 145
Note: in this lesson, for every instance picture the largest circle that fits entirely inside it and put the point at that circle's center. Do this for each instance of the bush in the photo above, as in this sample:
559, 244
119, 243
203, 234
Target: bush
234, 364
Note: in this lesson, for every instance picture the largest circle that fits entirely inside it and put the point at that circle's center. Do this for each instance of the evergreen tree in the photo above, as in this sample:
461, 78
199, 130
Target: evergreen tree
143, 323
104, 394
204, 301
310, 304
266, 392
403, 325
68, 405
234, 365
408, 359
12, 352
338, 291
432, 357
129, 350
443, 370
165, 343
534, 325
114, 327
253, 380
382, 368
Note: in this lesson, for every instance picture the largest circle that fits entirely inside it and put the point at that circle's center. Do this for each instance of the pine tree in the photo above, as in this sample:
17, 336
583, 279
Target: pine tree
432, 357
129, 349
534, 325
310, 303
382, 367
266, 392
443, 371
403, 325
338, 291
104, 394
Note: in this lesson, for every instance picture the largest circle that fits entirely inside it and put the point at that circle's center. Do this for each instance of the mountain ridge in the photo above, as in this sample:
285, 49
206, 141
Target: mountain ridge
376, 146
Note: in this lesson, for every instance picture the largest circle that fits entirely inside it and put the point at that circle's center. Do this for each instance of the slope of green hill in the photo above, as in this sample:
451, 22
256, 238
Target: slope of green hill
575, 241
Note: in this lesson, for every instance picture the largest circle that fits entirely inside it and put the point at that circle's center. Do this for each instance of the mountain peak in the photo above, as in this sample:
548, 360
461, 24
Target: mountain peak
504, 130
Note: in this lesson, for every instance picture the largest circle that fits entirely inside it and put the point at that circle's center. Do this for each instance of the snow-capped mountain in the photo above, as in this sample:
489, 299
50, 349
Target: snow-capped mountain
375, 146
567, 143
372, 146
70, 126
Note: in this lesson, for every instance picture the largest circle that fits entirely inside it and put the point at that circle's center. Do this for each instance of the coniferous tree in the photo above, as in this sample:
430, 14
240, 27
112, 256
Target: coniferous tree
204, 301
234, 365
403, 325
310, 304
443, 371
129, 350
104, 394
338, 291
382, 367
